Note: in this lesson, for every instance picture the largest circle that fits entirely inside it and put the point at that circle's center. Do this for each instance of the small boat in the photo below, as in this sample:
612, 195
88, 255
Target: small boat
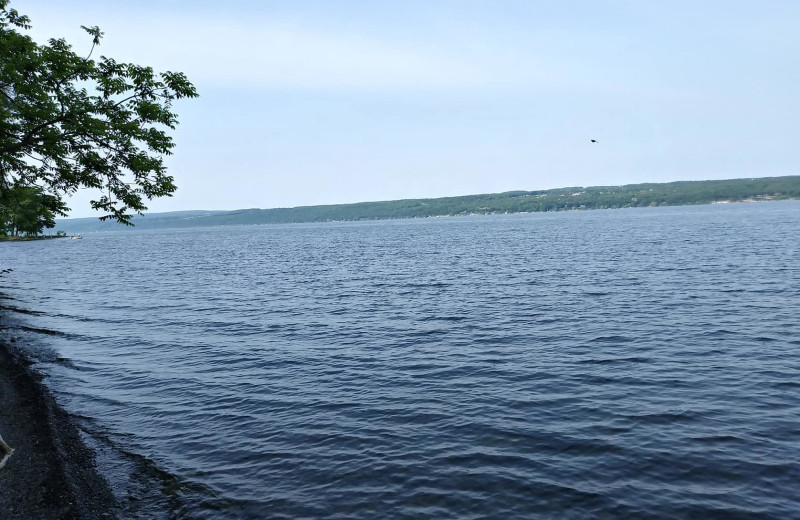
75, 237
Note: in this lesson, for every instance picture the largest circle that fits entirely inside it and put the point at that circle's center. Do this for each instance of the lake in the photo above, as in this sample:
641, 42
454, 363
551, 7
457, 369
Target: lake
639, 363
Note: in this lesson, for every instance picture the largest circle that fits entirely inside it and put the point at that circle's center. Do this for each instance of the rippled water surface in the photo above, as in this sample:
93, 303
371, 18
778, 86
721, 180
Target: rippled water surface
585, 365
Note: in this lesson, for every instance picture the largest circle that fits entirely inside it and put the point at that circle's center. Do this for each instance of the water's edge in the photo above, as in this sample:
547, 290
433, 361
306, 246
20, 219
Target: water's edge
52, 473
84, 474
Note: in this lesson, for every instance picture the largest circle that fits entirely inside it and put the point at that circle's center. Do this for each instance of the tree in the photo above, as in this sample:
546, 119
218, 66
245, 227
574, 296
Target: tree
69, 122
28, 210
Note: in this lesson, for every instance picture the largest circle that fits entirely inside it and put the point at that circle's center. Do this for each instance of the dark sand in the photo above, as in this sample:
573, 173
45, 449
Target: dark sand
51, 475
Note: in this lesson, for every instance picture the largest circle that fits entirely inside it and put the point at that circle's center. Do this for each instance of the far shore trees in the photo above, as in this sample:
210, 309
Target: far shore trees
69, 122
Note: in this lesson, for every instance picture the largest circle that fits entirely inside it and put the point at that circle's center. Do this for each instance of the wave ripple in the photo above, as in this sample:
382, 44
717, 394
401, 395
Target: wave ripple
625, 364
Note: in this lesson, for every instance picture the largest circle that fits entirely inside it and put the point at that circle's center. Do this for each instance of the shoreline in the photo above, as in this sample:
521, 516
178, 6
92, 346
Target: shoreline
52, 473
95, 226
28, 239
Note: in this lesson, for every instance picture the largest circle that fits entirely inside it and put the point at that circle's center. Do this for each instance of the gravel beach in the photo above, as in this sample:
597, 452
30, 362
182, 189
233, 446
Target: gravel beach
51, 474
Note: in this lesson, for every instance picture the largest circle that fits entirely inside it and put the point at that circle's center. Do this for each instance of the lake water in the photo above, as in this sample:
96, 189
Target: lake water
584, 365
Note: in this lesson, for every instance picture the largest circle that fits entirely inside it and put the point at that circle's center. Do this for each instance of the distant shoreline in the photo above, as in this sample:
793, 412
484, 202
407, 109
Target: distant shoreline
683, 193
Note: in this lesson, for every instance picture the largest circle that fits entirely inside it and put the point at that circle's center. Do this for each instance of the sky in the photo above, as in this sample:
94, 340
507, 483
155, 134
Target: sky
307, 102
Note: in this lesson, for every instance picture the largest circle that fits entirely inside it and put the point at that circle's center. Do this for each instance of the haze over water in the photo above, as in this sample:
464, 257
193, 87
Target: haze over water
589, 365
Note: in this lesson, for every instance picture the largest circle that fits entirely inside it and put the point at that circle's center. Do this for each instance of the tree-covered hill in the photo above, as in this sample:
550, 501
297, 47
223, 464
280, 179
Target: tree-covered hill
561, 199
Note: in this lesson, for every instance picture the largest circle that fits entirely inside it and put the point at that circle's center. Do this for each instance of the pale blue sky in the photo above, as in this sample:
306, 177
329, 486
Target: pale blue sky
315, 102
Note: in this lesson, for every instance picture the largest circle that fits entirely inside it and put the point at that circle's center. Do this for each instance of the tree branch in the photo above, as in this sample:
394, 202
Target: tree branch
28, 138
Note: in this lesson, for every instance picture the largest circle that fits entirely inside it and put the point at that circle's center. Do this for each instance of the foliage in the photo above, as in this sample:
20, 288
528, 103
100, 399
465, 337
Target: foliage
28, 210
69, 122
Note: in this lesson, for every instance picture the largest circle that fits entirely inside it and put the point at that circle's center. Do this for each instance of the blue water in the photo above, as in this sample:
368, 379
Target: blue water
585, 365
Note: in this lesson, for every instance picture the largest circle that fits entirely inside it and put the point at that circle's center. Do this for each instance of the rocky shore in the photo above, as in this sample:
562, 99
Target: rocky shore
51, 474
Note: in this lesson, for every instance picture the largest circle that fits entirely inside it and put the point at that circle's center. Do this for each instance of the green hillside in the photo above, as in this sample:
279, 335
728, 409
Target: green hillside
561, 199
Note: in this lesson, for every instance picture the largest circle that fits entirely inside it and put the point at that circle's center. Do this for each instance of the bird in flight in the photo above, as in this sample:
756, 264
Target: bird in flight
593, 140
